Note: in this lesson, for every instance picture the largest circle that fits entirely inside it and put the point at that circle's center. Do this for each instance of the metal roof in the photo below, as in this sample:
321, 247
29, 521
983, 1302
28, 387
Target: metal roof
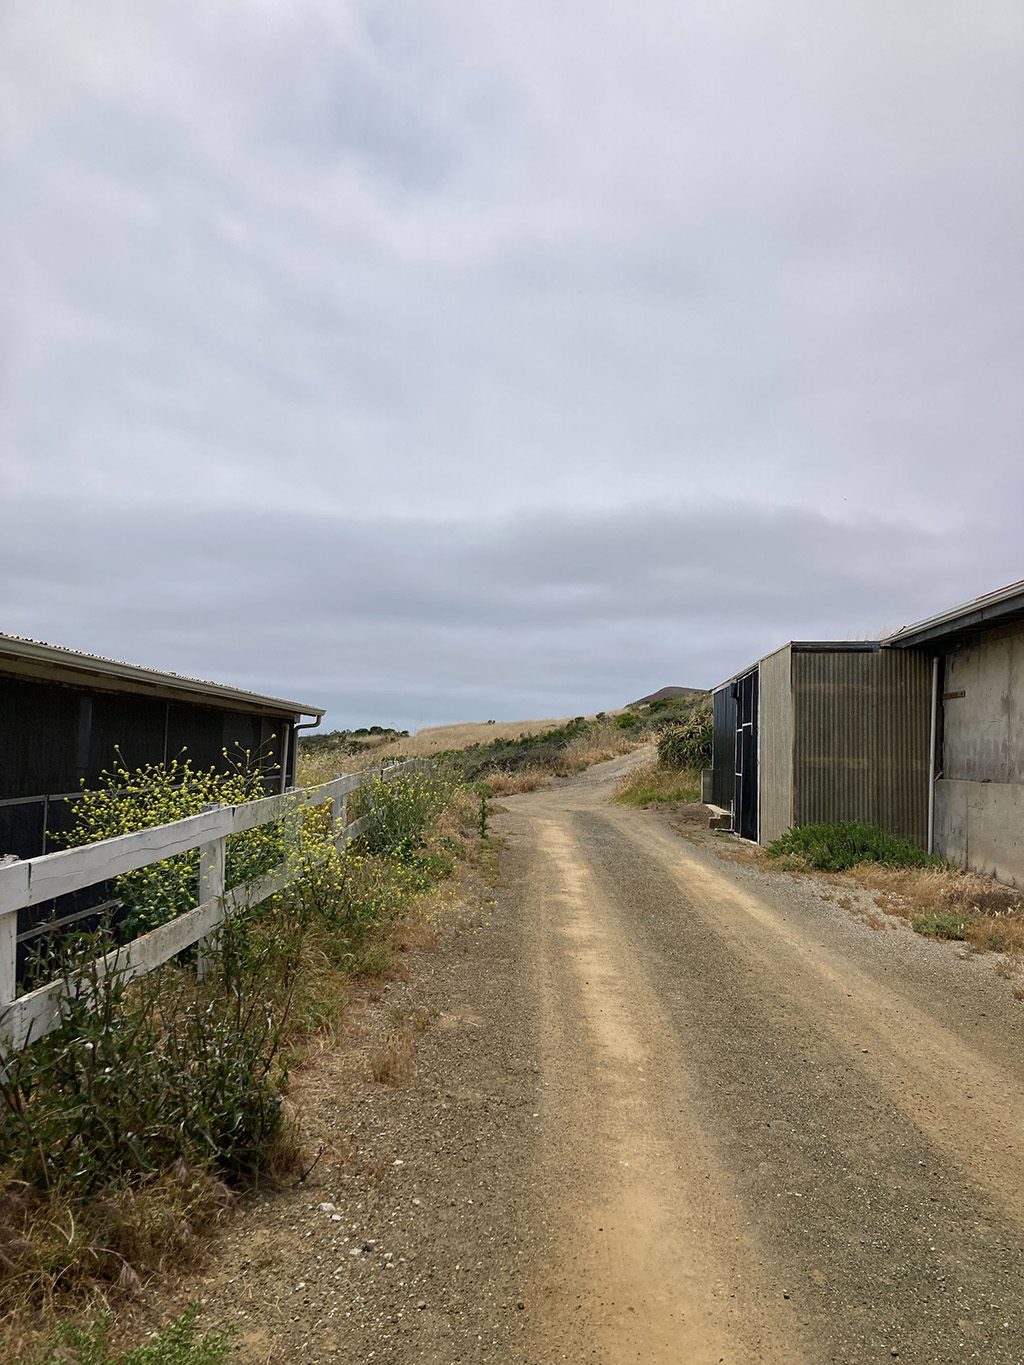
807, 647
45, 662
1003, 607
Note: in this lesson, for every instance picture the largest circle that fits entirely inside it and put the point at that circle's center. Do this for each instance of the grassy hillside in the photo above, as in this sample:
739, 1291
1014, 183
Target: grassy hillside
510, 755
319, 761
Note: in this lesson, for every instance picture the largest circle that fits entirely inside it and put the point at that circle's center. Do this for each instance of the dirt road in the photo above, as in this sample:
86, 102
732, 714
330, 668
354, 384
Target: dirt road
771, 1132
679, 1110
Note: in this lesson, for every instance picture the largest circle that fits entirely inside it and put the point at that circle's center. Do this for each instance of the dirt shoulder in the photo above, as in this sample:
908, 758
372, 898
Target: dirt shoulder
405, 1242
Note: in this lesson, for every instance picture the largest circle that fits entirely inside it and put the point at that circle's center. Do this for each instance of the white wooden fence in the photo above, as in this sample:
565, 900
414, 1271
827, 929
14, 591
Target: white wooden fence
36, 880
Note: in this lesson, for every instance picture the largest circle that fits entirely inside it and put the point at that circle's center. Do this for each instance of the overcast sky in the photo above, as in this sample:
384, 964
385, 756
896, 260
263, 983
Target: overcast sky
435, 360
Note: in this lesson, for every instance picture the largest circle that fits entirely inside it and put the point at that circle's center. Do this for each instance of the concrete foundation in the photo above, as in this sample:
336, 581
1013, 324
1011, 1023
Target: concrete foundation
980, 825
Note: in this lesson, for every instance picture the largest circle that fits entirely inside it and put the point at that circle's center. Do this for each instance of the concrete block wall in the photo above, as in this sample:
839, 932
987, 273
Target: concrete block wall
979, 800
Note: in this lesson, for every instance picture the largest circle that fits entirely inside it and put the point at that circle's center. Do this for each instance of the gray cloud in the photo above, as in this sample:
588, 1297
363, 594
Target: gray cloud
436, 358
414, 621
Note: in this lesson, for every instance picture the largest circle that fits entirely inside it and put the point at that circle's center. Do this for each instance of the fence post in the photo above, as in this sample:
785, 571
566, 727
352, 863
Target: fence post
211, 887
8, 946
339, 813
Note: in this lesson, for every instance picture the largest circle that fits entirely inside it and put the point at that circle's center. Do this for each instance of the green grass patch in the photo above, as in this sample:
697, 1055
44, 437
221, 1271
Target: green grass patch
176, 1344
942, 925
836, 847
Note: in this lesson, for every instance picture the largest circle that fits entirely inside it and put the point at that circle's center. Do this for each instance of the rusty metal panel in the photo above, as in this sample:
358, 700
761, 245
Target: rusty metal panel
861, 739
776, 740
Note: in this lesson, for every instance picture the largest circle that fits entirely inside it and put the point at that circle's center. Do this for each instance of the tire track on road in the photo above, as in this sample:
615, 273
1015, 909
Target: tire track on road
653, 1263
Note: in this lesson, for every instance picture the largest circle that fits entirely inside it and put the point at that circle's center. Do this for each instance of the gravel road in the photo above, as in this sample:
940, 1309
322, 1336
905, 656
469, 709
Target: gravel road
674, 1108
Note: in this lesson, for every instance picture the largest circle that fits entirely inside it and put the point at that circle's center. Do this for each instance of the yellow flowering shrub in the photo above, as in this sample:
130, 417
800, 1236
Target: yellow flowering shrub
157, 794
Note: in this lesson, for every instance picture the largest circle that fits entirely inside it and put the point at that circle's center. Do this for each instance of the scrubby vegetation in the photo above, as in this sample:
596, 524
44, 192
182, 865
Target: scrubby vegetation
351, 741
937, 900
319, 764
656, 782
688, 745
844, 844
948, 902
127, 800
559, 752
513, 756
125, 1133
520, 764
176, 1344
656, 717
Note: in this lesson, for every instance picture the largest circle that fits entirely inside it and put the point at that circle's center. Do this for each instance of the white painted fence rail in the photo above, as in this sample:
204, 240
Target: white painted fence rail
35, 880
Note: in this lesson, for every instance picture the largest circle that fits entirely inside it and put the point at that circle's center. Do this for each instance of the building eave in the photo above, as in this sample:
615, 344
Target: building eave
807, 647
36, 660
961, 624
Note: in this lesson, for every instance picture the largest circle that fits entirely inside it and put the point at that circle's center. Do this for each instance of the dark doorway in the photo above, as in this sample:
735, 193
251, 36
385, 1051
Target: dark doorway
744, 810
723, 761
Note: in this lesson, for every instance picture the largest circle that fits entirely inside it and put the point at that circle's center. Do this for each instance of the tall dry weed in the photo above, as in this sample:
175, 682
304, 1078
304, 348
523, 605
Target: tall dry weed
601, 741
504, 783
393, 1063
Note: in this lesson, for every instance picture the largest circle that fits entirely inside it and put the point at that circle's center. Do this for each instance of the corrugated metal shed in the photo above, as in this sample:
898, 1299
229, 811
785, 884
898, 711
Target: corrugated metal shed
842, 734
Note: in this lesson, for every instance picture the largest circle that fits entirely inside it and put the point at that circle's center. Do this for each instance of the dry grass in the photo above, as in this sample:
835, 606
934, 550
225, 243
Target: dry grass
419, 1018
417, 933
992, 915
51, 1258
513, 783
321, 767
653, 782
393, 1063
603, 741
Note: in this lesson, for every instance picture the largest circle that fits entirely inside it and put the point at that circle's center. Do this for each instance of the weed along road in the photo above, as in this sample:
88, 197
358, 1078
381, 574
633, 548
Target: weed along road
766, 1131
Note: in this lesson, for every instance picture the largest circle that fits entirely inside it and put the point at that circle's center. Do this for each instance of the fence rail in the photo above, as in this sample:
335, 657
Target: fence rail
28, 882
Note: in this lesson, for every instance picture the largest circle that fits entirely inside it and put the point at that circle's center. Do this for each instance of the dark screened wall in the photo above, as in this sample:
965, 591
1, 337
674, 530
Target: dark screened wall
54, 737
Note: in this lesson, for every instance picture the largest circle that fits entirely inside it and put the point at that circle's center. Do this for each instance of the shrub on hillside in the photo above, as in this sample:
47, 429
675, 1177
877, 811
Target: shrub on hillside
836, 847
689, 744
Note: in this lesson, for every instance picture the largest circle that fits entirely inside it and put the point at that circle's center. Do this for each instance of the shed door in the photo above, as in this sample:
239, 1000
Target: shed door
744, 816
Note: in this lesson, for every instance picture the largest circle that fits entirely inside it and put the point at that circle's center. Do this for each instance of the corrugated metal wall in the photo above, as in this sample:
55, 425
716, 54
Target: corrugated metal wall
904, 714
776, 738
860, 739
